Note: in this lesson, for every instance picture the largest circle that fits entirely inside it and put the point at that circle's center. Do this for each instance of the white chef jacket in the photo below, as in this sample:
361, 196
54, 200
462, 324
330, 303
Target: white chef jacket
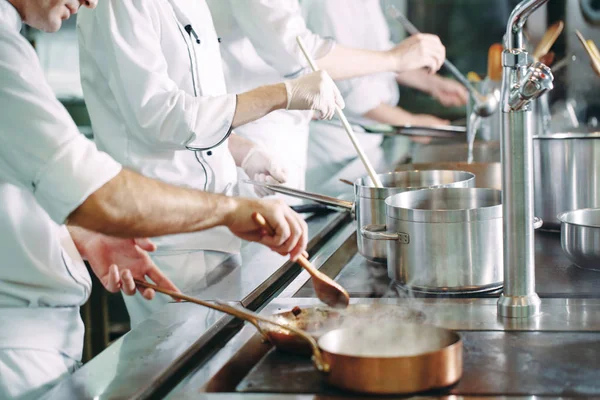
258, 44
153, 83
358, 24
47, 169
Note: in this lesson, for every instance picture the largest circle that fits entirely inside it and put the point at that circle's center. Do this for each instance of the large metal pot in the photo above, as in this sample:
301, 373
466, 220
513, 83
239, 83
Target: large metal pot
487, 175
369, 204
444, 240
370, 200
566, 174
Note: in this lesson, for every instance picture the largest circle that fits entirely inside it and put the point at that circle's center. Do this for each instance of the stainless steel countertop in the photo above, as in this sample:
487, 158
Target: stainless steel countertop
178, 352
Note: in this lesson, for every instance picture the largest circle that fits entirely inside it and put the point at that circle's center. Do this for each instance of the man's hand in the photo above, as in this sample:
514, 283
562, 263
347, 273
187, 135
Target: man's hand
116, 262
315, 91
291, 232
449, 92
417, 52
260, 166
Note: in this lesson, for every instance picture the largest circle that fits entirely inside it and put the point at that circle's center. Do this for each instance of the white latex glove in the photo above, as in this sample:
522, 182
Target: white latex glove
260, 166
315, 91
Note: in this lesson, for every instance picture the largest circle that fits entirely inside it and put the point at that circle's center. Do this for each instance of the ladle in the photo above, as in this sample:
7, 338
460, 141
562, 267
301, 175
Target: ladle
245, 315
484, 105
345, 123
327, 290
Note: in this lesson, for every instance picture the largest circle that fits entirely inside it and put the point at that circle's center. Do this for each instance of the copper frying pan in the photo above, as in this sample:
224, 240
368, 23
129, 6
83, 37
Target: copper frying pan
393, 357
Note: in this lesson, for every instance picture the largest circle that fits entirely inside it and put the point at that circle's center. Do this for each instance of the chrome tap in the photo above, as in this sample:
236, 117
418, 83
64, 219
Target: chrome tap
522, 83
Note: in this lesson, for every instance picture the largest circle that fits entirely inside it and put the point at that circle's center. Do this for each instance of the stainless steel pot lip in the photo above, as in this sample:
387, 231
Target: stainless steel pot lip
563, 136
466, 179
563, 217
446, 216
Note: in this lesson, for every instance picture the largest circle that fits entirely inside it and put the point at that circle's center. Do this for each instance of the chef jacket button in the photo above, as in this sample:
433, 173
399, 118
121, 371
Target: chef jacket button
219, 39
209, 153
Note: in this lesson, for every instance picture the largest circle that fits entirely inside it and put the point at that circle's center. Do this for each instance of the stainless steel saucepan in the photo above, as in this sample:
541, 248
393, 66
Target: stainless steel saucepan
445, 240
580, 237
369, 204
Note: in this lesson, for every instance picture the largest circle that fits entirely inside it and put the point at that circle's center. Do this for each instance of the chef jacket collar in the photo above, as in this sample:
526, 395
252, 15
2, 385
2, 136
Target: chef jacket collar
12, 16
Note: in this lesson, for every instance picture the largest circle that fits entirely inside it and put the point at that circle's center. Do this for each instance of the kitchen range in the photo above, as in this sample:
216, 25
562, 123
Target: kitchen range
455, 256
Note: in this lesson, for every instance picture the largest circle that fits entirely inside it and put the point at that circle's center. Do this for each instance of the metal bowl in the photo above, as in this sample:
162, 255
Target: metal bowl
580, 237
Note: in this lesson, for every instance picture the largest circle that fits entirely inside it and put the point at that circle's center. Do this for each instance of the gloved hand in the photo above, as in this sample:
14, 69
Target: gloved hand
315, 91
260, 166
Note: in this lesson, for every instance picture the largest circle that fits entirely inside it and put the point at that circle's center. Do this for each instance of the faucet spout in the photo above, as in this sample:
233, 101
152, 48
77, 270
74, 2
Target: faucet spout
516, 22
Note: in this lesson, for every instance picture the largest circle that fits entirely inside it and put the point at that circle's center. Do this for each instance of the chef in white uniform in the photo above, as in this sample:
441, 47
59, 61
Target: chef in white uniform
370, 100
47, 169
50, 174
259, 47
153, 83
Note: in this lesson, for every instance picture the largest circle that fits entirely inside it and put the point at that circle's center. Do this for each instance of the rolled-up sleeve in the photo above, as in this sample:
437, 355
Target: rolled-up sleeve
123, 39
41, 149
272, 26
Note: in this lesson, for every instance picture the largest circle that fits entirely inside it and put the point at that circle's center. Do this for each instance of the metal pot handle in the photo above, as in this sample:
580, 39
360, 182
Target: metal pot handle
379, 232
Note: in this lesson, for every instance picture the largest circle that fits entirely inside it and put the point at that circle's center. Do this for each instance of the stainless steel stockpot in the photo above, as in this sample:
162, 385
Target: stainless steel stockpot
566, 174
580, 237
370, 201
444, 240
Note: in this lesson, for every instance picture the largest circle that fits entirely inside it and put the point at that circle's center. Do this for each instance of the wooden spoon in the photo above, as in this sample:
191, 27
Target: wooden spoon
591, 53
548, 40
327, 290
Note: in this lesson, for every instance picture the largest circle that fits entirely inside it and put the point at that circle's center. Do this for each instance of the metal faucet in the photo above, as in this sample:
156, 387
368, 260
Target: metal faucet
522, 83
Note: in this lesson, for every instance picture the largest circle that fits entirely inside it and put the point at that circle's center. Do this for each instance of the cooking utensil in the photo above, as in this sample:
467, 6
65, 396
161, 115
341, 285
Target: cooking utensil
580, 237
442, 131
595, 62
345, 123
484, 105
369, 204
593, 48
368, 358
267, 330
566, 174
347, 182
548, 40
327, 290
446, 240
312, 209
494, 67
548, 58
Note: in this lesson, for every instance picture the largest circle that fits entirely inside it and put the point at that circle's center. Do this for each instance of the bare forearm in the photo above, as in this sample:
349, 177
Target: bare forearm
345, 62
131, 205
391, 115
257, 103
417, 79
